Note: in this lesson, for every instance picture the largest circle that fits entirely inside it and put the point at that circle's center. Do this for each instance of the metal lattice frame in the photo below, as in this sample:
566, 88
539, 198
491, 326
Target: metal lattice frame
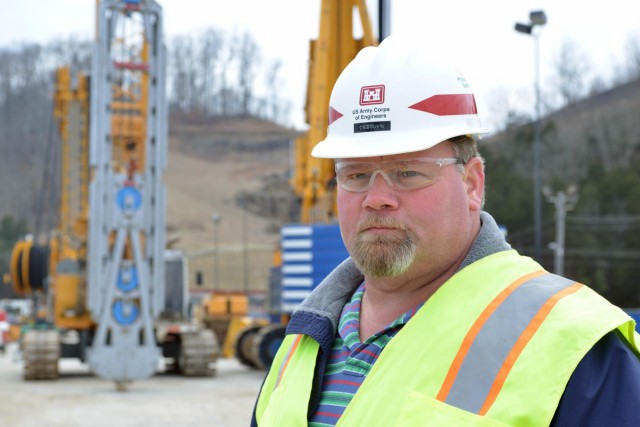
127, 200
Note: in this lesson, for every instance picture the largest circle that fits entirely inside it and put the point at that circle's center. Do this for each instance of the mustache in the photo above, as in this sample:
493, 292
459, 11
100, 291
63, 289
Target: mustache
380, 221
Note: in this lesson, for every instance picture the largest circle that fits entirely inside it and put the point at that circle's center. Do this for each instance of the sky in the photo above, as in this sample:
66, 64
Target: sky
478, 35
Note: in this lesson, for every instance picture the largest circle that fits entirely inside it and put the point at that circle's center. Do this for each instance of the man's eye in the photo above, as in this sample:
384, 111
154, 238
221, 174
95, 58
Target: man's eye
358, 176
408, 174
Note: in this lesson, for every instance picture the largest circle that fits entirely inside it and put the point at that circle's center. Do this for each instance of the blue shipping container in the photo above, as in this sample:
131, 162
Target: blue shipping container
309, 253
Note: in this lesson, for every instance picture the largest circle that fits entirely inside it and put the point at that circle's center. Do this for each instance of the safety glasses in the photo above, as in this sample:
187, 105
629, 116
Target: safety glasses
401, 174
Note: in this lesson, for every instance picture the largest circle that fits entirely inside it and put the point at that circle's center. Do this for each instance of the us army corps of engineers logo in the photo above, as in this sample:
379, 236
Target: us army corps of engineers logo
369, 96
372, 95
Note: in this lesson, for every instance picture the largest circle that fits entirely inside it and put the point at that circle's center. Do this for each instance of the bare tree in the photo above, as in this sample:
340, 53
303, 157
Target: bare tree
226, 94
25, 125
598, 85
215, 74
273, 83
571, 68
249, 59
633, 56
72, 51
182, 74
210, 50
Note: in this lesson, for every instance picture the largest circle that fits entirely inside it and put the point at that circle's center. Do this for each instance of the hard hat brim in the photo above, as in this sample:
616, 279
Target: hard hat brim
341, 147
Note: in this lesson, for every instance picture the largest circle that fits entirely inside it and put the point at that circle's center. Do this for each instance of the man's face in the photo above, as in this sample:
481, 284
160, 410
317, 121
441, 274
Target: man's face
391, 231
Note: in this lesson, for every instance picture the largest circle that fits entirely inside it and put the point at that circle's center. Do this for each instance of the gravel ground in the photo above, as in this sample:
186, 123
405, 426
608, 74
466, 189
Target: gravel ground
79, 398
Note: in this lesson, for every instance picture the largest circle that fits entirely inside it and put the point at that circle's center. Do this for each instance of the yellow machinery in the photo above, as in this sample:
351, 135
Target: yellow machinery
227, 313
110, 293
328, 56
30, 261
33, 264
314, 179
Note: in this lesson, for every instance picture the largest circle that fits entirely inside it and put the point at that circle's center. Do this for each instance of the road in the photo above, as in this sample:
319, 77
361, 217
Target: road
78, 398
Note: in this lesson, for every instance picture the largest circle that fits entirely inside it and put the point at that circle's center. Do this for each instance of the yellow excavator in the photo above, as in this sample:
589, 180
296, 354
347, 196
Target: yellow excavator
295, 274
106, 289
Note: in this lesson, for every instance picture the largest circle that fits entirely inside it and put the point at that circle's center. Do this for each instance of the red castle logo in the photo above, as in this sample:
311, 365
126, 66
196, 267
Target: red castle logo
372, 95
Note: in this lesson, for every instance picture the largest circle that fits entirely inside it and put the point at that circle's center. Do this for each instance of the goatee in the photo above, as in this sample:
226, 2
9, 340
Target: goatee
386, 254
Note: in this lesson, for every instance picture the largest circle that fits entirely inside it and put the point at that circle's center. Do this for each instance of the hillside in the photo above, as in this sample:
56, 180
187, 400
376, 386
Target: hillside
602, 128
210, 166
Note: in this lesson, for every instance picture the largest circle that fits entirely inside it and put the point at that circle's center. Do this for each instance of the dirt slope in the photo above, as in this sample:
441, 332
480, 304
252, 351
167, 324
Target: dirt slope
209, 166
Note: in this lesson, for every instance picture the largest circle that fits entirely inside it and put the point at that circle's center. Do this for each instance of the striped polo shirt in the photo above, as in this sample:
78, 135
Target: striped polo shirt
351, 360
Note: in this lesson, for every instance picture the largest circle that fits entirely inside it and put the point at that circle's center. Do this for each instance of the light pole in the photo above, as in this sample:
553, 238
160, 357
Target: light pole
216, 218
537, 18
245, 247
563, 201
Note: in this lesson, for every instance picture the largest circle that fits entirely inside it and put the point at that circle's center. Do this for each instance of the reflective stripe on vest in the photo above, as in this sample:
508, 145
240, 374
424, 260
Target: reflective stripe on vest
284, 398
474, 381
287, 358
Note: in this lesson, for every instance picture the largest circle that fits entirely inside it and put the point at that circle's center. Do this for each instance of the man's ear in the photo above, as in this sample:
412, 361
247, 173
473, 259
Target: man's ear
474, 181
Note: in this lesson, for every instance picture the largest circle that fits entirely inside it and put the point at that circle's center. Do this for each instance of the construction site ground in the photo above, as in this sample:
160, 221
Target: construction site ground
78, 398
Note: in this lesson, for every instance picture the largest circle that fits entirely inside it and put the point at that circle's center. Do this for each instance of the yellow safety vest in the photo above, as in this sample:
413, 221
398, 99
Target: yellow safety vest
494, 346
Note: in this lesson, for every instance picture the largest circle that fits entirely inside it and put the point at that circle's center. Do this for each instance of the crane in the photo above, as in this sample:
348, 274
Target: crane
295, 273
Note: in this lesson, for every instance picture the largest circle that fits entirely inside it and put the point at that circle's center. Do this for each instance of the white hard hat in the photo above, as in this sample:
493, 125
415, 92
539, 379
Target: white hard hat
397, 98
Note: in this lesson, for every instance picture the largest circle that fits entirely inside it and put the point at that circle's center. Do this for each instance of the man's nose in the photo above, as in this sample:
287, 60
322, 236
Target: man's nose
383, 174
380, 194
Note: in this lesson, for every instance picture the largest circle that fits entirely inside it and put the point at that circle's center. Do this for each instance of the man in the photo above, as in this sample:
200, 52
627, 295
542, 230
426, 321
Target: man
435, 320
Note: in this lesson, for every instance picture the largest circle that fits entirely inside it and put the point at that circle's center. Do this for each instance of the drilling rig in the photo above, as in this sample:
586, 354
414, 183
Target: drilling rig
100, 277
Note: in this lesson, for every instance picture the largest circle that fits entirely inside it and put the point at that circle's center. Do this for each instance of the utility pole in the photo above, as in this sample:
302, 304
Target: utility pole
563, 202
537, 18
216, 218
245, 244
